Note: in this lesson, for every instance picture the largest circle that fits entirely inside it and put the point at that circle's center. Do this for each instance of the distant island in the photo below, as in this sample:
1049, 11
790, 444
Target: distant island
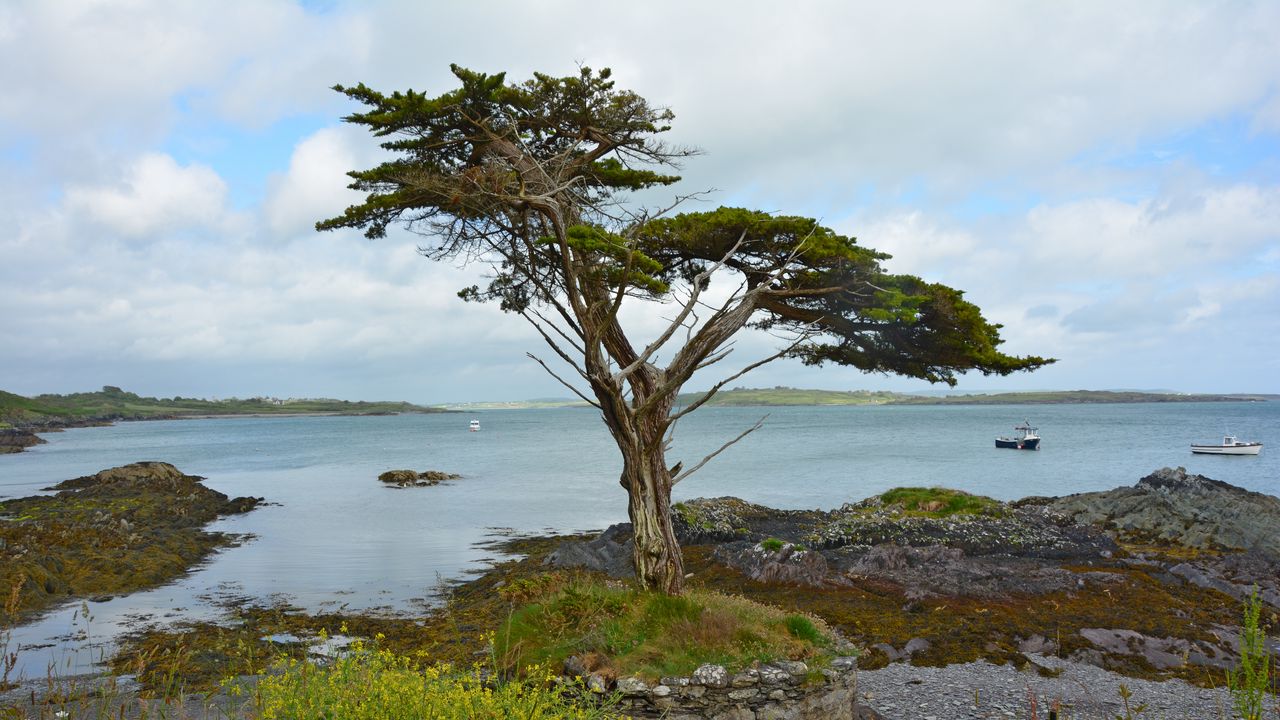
112, 403
1071, 397
787, 396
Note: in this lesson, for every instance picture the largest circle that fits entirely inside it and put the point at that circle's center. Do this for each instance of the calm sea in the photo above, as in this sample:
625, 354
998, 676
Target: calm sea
335, 538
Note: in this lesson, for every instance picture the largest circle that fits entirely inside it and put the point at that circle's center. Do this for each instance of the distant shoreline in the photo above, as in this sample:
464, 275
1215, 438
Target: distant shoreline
792, 397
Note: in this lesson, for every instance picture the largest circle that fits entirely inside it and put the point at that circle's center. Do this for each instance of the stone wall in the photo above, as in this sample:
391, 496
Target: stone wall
784, 690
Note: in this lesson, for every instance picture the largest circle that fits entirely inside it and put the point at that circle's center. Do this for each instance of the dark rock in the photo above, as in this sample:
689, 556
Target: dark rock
1037, 645
610, 553
1170, 506
399, 477
915, 645
789, 564
413, 478
1160, 653
15, 440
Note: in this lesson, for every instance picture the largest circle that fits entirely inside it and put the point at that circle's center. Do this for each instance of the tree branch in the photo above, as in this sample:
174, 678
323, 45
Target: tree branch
575, 390
723, 447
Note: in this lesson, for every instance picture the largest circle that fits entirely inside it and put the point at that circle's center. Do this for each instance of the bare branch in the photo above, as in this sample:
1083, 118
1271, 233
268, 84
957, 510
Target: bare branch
553, 326
723, 447
554, 346
698, 282
716, 388
552, 373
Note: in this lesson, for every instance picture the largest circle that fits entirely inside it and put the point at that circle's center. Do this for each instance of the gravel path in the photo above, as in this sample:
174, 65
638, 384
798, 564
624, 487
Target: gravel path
982, 690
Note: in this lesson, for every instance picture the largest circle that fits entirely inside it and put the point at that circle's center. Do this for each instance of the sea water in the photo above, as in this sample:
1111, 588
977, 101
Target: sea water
333, 538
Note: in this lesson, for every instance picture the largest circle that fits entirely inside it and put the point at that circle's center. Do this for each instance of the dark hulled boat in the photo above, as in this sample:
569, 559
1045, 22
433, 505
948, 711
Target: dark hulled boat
1027, 440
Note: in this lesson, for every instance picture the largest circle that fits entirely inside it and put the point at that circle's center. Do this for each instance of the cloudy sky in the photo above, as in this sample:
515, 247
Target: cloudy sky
1102, 178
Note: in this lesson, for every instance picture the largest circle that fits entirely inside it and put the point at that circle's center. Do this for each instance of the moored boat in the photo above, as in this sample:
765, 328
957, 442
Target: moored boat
475, 426
1230, 446
1027, 440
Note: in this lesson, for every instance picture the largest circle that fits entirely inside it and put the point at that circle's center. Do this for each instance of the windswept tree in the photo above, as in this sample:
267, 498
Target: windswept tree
535, 179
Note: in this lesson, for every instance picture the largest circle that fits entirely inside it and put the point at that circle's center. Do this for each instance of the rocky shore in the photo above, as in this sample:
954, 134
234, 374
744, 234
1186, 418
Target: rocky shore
964, 607
117, 531
15, 440
1146, 581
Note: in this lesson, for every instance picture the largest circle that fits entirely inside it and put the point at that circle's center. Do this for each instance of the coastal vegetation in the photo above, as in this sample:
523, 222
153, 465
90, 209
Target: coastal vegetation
934, 502
367, 683
118, 531
1251, 682
618, 631
112, 403
533, 179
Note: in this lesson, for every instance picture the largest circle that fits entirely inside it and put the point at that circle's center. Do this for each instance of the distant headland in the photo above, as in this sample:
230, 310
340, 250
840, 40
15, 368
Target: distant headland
50, 412
783, 396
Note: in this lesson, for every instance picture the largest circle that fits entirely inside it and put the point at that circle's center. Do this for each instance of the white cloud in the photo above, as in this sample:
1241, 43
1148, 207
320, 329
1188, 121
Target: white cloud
1105, 237
315, 186
155, 195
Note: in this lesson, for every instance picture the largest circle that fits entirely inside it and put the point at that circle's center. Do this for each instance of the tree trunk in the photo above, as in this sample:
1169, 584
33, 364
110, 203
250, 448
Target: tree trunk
659, 564
639, 430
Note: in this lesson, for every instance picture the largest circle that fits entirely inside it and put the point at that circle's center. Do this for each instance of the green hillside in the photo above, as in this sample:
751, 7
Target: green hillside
1068, 397
112, 403
738, 397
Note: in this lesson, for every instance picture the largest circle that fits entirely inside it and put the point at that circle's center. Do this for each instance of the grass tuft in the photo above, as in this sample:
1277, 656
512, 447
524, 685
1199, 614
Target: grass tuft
937, 502
650, 635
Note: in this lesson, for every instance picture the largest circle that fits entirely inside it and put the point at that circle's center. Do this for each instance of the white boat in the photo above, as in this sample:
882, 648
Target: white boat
1230, 446
475, 426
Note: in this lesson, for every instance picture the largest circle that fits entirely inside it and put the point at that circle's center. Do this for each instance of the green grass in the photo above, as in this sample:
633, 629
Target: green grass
625, 632
937, 502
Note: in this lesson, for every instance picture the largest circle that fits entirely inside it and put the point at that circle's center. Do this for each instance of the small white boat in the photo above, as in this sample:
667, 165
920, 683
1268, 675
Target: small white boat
1230, 446
475, 426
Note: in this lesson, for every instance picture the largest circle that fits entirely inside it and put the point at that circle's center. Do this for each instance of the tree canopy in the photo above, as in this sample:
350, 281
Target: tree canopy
536, 180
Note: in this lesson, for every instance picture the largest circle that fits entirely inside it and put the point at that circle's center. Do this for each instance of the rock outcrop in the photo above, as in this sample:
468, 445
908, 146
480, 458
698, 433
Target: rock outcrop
1171, 507
413, 478
15, 440
116, 531
610, 553
1145, 579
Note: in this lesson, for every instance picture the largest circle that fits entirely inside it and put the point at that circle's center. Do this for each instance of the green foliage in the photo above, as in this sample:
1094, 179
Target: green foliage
1131, 712
619, 264
1251, 680
448, 144
376, 684
937, 502
817, 279
772, 544
506, 172
632, 632
802, 627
